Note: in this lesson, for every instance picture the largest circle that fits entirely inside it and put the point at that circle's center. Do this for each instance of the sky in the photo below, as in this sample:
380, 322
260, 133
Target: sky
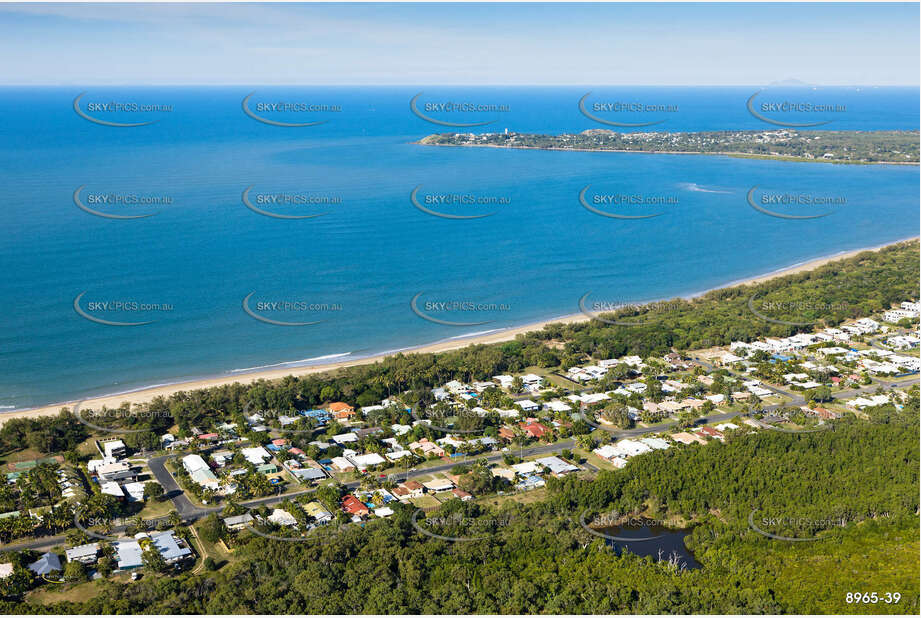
462, 44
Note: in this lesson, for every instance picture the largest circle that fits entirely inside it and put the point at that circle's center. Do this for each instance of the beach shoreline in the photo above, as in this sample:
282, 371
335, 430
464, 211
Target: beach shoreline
146, 394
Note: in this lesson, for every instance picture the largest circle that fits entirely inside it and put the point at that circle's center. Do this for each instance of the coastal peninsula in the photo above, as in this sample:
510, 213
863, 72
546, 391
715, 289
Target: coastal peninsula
854, 147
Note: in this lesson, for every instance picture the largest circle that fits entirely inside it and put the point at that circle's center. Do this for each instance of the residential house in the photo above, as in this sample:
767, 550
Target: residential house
341, 464
84, 554
437, 485
687, 438
363, 462
281, 517
341, 410
256, 455
112, 448
238, 522
558, 467
527, 405
408, 489
116, 471
317, 513
200, 472
47, 564
427, 447
345, 438
534, 429
712, 432
354, 506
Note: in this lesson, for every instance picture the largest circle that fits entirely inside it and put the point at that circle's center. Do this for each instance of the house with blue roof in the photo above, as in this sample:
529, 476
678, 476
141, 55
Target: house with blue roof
129, 552
48, 563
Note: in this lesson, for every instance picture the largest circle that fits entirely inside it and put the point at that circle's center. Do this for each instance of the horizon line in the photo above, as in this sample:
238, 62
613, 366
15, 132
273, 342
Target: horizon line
457, 85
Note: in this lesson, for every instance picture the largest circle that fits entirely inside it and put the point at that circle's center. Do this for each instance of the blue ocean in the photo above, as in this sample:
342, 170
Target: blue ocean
131, 258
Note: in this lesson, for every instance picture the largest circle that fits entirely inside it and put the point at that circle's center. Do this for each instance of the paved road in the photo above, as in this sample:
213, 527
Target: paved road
171, 488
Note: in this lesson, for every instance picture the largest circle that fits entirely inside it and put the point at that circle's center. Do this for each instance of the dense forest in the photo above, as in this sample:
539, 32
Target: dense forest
835, 146
537, 559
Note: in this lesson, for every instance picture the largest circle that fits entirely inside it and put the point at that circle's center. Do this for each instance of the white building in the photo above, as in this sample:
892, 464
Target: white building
256, 455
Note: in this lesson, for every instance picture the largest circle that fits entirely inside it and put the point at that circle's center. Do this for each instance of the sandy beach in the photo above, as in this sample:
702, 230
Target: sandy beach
147, 394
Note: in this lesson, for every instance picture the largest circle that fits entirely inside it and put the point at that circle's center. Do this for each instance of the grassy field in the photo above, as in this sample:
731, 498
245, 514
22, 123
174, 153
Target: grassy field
214, 550
525, 497
425, 502
593, 459
153, 509
54, 593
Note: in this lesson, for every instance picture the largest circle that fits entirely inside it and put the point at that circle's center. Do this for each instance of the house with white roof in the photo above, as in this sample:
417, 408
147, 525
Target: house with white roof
527, 405
557, 466
557, 406
363, 462
401, 429
281, 517
532, 380
341, 464
256, 455
504, 381
655, 443
867, 402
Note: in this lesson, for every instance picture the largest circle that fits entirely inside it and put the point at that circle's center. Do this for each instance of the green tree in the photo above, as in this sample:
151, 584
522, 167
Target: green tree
211, 528
152, 560
74, 571
153, 490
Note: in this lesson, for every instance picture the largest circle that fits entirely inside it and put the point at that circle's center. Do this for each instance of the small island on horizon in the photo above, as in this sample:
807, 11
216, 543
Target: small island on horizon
849, 147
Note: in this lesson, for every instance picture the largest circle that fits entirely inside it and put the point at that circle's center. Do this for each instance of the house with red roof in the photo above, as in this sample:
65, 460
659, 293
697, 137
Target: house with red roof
341, 410
535, 430
354, 506
711, 432
825, 413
